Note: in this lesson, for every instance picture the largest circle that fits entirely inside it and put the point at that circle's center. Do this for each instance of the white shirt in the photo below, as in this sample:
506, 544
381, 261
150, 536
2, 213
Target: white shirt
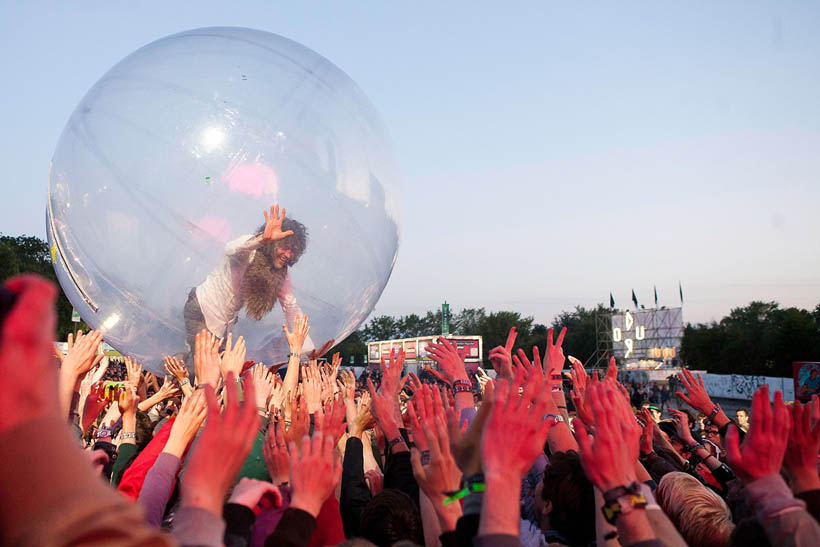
220, 294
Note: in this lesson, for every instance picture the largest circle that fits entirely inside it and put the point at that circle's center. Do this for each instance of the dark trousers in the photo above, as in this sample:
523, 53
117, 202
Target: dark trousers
194, 321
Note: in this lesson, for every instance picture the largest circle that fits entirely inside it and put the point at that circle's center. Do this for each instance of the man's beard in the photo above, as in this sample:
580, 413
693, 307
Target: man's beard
261, 284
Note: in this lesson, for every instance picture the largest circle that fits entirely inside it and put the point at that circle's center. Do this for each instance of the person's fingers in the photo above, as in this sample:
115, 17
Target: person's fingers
782, 419
561, 337
581, 436
415, 464
733, 455
765, 408
213, 404
684, 398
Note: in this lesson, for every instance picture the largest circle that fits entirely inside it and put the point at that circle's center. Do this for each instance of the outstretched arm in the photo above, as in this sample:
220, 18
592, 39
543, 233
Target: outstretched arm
292, 311
272, 232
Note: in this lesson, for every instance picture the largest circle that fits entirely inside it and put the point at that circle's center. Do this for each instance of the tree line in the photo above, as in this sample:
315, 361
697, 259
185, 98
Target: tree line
758, 339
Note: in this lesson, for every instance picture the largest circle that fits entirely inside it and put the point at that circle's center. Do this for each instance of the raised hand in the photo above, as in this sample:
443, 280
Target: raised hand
501, 356
392, 381
681, 421
481, 378
329, 386
92, 404
440, 474
186, 423
332, 419
697, 397
176, 368
311, 389
449, 359
277, 395
128, 399
609, 459
253, 493
554, 359
384, 406
300, 418
221, 449
133, 371
263, 384
167, 390
206, 359
762, 451
516, 430
801, 453
513, 437
314, 473
273, 224
275, 452
296, 339
83, 353
234, 356
523, 363
361, 418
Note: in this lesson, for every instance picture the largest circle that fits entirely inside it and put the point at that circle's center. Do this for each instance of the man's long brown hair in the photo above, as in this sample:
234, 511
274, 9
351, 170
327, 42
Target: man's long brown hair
263, 280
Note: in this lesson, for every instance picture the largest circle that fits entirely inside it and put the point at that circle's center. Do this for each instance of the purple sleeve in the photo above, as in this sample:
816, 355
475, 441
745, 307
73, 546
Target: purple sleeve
157, 487
467, 415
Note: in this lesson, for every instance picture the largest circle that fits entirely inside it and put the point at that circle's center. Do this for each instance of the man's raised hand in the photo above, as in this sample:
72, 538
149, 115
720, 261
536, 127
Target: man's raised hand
273, 224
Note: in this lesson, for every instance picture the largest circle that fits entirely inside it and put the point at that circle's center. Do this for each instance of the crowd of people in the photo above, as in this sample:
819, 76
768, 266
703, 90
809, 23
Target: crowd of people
222, 451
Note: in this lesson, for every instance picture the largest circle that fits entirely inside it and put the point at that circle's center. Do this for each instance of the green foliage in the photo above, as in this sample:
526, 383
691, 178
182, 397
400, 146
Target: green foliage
353, 346
27, 254
758, 339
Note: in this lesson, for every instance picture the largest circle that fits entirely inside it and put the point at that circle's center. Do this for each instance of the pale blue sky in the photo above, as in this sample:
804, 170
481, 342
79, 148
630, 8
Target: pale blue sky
550, 152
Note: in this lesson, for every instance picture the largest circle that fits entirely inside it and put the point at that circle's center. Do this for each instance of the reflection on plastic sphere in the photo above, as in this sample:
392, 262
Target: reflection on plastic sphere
161, 176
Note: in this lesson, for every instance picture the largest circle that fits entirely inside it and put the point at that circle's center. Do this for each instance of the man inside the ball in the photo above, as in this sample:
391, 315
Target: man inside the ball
252, 275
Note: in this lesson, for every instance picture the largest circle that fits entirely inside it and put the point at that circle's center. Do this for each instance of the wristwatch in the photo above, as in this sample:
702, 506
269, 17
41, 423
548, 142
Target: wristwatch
622, 500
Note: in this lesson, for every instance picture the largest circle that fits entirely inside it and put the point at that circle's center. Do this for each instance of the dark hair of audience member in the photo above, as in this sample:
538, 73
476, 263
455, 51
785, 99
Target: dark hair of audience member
571, 497
144, 430
389, 517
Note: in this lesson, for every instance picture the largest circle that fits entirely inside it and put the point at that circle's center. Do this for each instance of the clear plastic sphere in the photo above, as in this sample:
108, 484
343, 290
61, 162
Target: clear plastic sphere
161, 176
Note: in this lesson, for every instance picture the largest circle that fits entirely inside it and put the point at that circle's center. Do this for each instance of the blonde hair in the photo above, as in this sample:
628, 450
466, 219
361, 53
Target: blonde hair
700, 515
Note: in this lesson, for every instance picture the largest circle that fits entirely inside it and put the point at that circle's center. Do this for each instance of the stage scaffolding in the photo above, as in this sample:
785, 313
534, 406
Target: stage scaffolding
643, 336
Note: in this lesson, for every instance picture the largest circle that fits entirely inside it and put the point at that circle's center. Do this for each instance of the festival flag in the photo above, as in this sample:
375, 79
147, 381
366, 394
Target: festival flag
680, 288
656, 295
611, 301
634, 298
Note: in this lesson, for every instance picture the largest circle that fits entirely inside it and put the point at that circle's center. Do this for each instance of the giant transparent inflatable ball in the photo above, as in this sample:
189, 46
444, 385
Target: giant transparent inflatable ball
161, 177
